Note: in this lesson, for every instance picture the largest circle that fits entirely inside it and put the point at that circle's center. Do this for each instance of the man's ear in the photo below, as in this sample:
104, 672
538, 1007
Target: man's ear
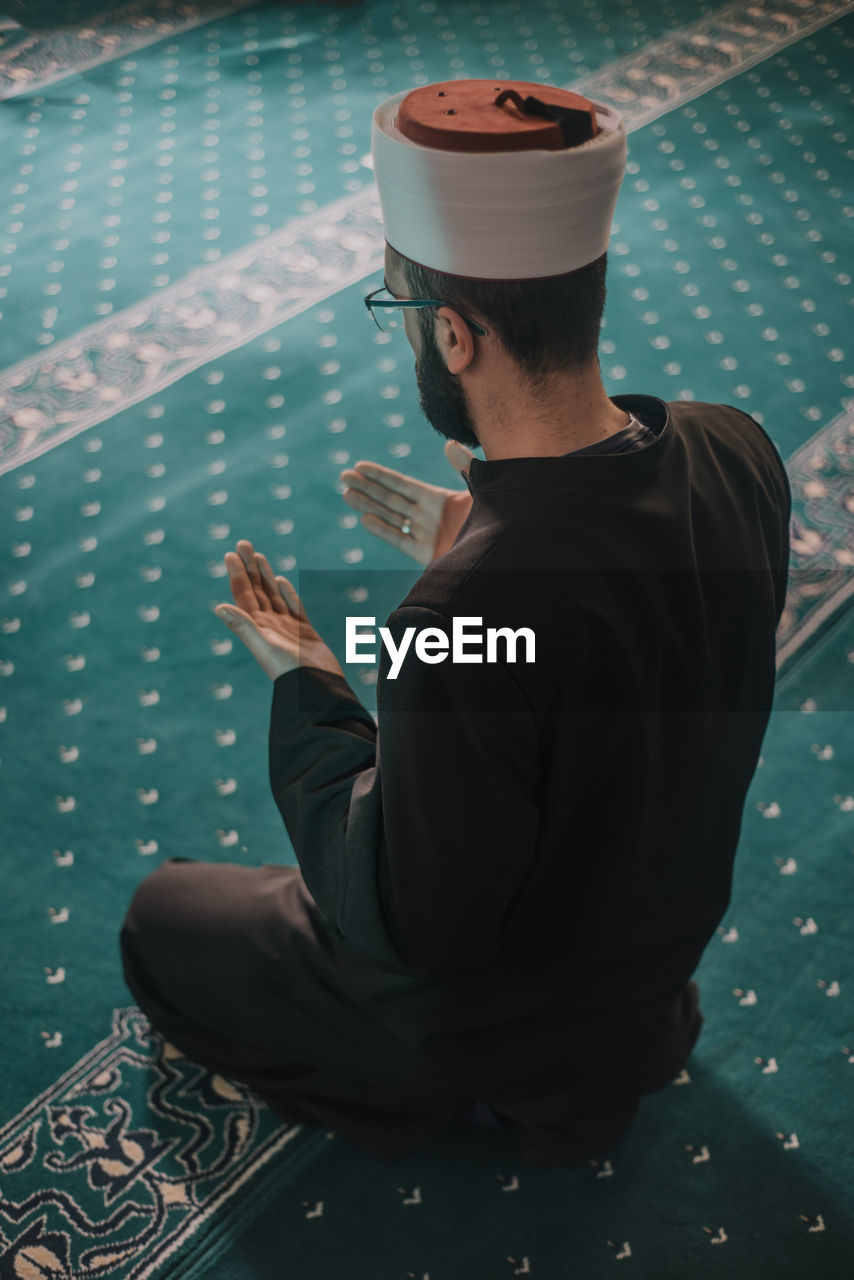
455, 337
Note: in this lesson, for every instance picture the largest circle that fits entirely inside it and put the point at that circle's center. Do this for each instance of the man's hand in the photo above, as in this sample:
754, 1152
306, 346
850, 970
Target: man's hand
270, 618
392, 501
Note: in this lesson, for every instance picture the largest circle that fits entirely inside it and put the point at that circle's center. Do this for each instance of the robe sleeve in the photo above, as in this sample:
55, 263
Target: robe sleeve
415, 844
322, 752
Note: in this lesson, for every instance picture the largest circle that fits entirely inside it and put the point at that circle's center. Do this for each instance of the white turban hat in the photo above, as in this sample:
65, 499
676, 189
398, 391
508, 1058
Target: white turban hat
510, 181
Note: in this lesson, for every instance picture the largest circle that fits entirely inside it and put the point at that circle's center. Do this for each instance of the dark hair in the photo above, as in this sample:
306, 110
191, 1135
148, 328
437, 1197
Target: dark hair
547, 326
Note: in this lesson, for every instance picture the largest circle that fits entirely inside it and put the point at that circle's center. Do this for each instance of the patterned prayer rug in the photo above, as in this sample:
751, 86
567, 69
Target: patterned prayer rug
190, 228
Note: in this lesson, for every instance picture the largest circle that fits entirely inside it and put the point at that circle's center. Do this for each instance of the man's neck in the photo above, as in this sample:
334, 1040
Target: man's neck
575, 412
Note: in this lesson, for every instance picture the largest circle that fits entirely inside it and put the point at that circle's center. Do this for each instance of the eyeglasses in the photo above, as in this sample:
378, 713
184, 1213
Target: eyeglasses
391, 303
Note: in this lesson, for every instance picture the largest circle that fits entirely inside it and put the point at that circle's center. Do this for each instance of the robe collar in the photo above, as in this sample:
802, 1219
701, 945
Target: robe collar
576, 470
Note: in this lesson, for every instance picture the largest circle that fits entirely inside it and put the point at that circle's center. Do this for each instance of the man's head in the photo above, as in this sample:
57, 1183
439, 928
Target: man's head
540, 329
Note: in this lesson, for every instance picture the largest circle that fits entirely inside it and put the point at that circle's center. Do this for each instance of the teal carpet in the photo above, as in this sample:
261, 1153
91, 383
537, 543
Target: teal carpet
186, 360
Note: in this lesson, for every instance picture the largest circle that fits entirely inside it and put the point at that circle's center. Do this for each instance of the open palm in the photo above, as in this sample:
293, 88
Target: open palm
422, 520
270, 618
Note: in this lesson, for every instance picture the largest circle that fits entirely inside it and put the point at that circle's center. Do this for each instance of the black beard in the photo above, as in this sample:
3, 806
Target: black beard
442, 398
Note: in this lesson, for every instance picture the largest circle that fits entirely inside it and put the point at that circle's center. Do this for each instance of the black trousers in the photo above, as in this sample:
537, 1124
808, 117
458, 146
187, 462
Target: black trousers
235, 967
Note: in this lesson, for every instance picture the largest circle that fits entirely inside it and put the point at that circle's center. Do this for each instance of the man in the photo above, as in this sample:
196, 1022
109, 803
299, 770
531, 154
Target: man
504, 887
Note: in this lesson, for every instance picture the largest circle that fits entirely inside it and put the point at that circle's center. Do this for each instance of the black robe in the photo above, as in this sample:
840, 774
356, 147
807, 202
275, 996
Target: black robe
503, 891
